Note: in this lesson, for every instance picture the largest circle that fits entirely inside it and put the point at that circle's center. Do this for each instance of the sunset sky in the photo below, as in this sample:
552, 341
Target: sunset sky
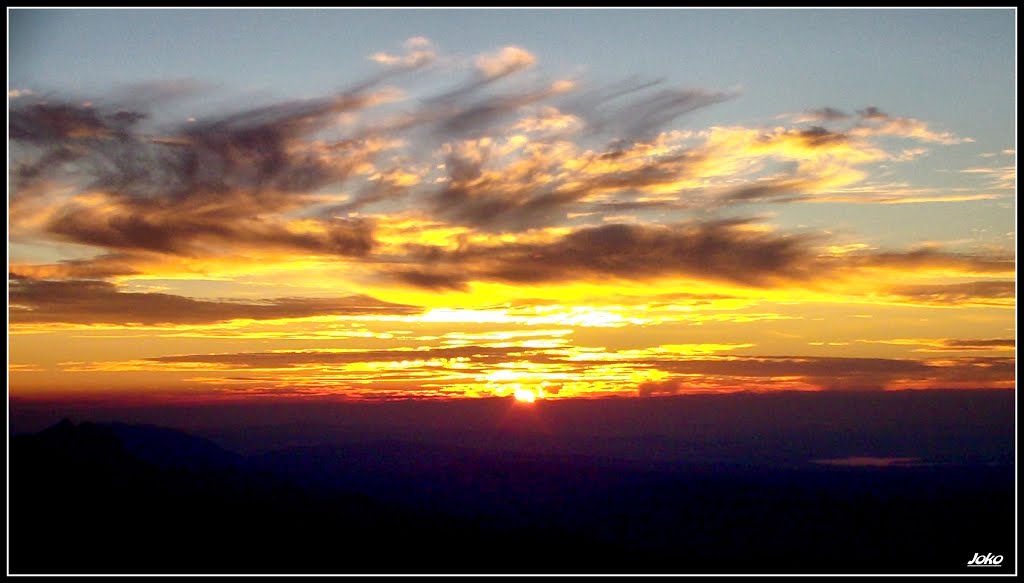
367, 204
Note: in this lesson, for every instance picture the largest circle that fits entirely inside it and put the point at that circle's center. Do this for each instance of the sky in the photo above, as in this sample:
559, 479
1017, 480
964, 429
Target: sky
365, 204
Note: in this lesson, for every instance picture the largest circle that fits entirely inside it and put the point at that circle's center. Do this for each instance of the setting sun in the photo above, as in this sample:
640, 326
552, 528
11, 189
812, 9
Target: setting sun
525, 396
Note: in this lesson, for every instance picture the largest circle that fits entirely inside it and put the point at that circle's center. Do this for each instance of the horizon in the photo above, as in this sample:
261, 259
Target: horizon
781, 427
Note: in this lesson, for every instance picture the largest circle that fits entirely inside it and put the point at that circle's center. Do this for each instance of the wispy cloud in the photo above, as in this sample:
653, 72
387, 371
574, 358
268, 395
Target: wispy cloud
999, 293
99, 302
419, 51
832, 373
952, 344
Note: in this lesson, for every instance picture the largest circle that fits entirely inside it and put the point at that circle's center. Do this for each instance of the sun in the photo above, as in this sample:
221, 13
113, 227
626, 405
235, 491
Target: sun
525, 395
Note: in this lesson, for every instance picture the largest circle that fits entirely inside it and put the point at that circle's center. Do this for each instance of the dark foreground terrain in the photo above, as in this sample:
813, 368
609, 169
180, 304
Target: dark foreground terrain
116, 498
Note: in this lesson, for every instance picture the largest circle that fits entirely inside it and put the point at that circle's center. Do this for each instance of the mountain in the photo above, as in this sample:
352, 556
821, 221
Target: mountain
82, 502
115, 498
172, 448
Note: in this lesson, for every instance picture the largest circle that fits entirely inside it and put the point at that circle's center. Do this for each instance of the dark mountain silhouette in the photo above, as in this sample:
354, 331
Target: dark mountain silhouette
117, 498
82, 503
172, 448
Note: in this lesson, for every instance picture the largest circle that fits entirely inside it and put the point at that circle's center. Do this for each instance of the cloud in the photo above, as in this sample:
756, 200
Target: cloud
494, 369
99, 267
435, 281
736, 251
976, 292
531, 185
817, 136
420, 51
997, 177
506, 61
876, 122
286, 359
926, 259
196, 227
34, 301
45, 123
266, 152
825, 114
872, 113
990, 344
719, 250
238, 180
636, 110
828, 373
215, 183
477, 118
296, 177
952, 344
772, 190
549, 119
650, 114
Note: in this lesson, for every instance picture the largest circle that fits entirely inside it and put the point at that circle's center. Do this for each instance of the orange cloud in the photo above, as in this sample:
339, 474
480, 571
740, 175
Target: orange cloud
504, 62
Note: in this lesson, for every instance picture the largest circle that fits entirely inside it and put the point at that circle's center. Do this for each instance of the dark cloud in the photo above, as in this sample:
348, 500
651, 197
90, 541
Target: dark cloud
974, 371
959, 293
721, 250
249, 150
777, 190
185, 229
932, 259
778, 366
475, 119
596, 98
725, 250
830, 373
628, 111
46, 123
480, 195
436, 281
34, 301
988, 344
872, 113
215, 181
644, 117
817, 136
497, 202
100, 267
